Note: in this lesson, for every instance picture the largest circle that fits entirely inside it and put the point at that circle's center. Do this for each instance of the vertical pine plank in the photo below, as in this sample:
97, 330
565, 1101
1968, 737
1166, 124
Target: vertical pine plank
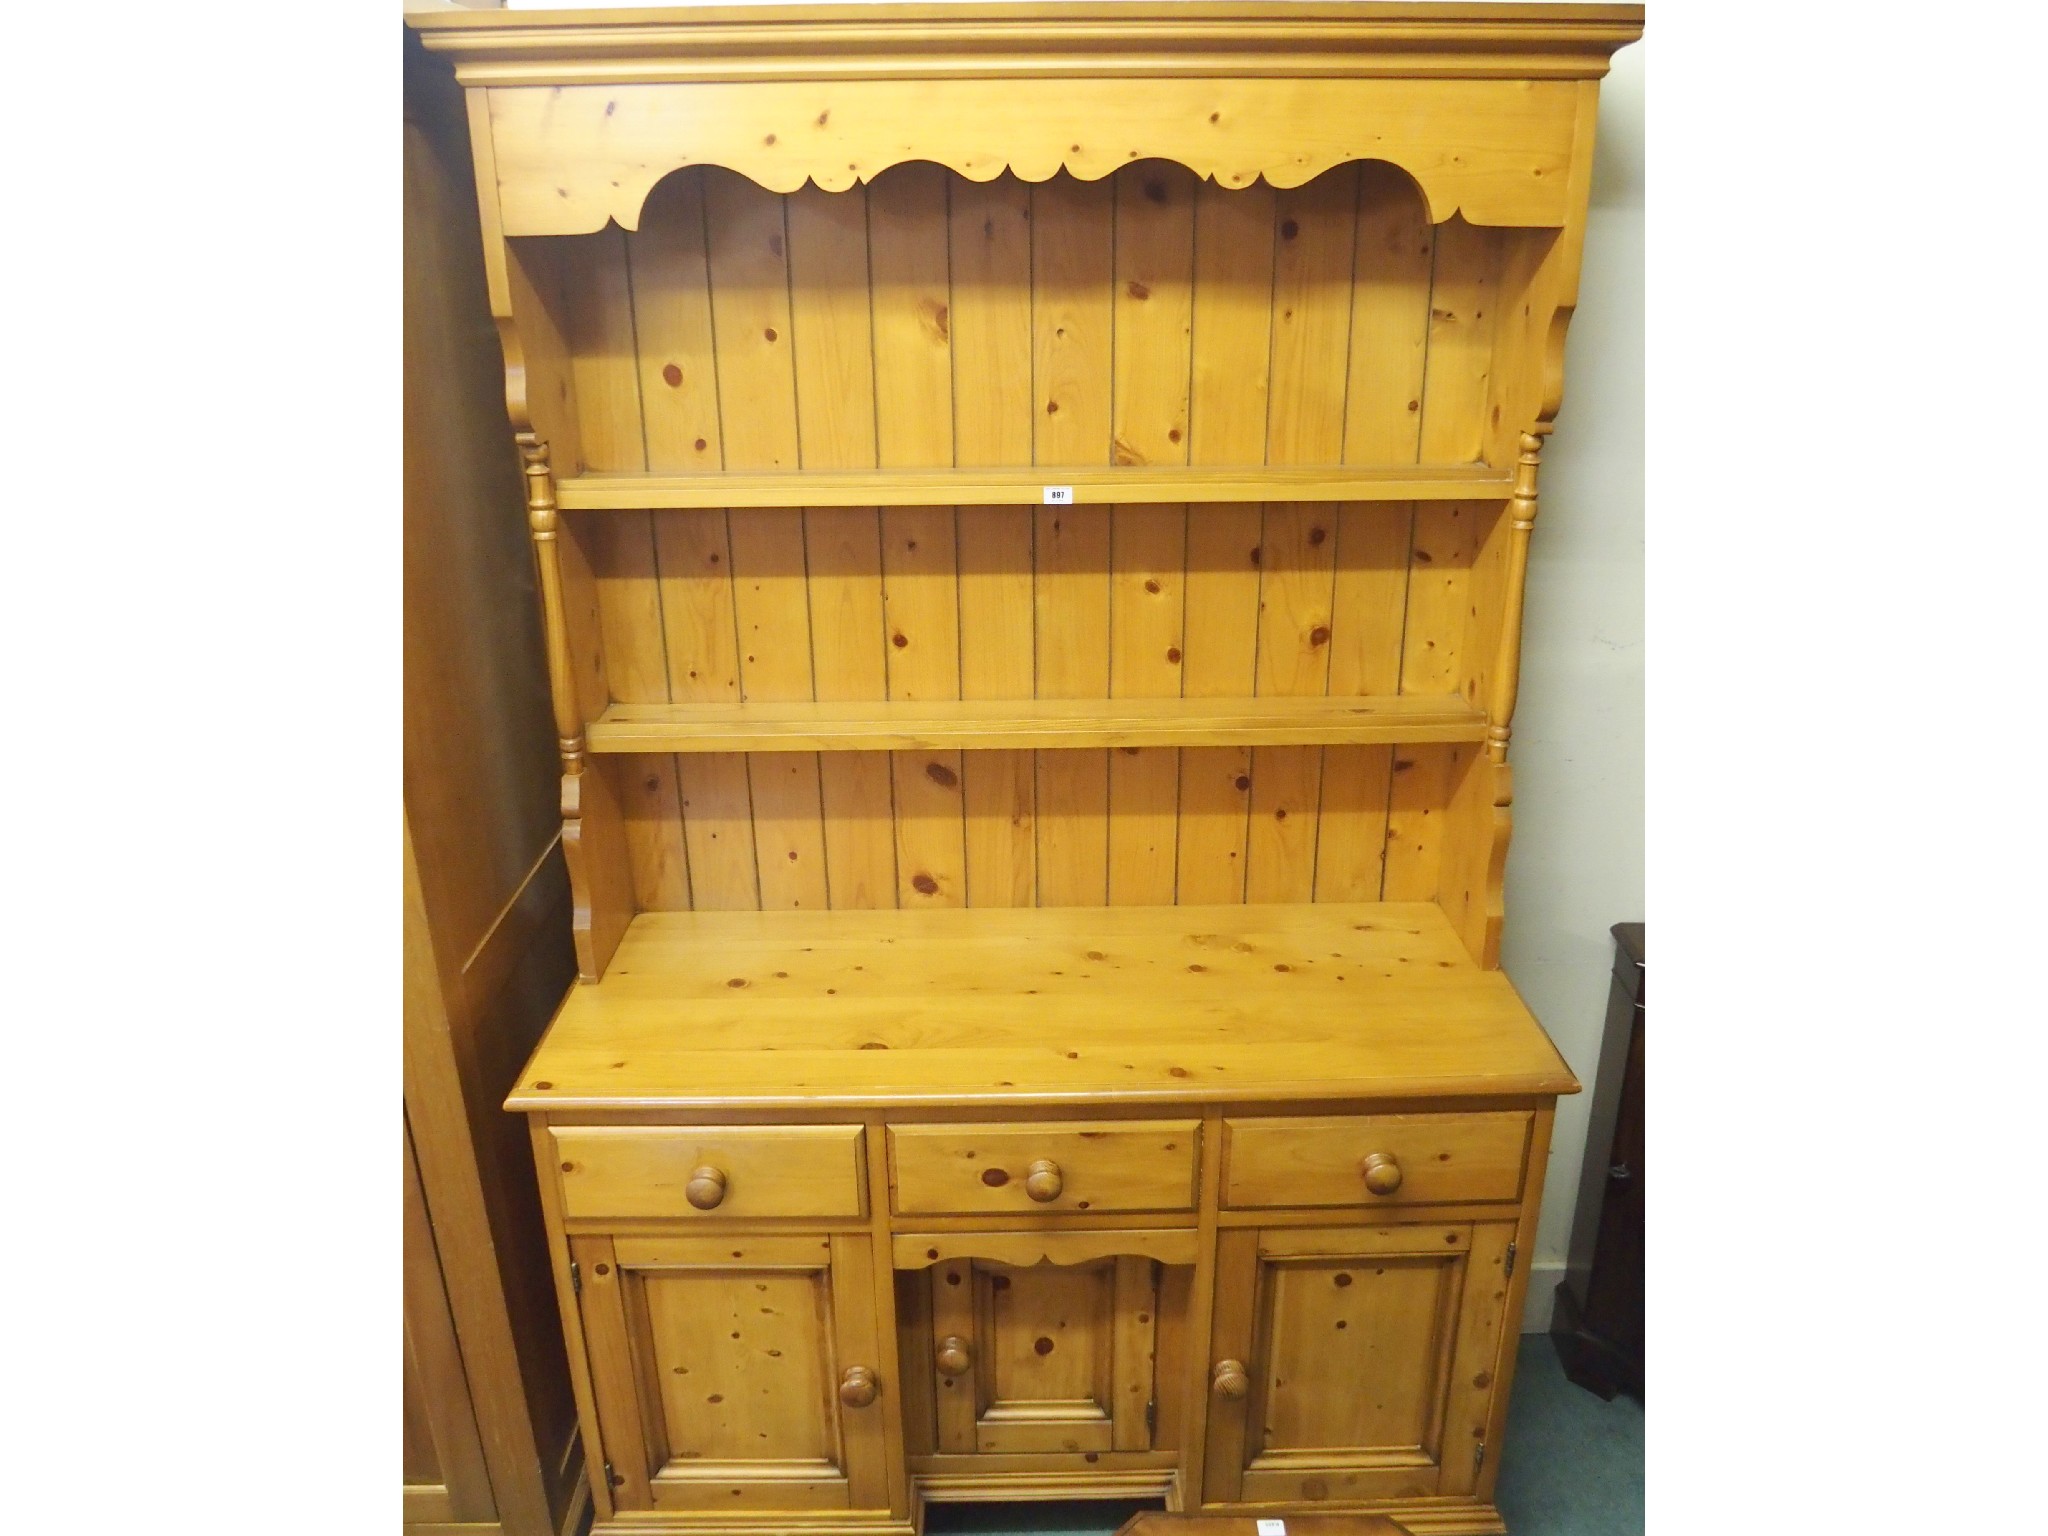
700, 635
1383, 418
1233, 313
989, 226
834, 352
921, 604
1071, 602
771, 604
679, 388
1072, 267
1389, 319
672, 318
1154, 312
997, 661
746, 251
1153, 299
1313, 257
1147, 587
1229, 367
912, 305
990, 229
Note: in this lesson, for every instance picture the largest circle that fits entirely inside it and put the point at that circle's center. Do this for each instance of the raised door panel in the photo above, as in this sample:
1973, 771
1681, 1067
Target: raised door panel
1364, 1361
1044, 1357
718, 1366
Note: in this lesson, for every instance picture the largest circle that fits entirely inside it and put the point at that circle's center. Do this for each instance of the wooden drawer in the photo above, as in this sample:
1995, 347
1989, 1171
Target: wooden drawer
760, 1170
1324, 1161
971, 1170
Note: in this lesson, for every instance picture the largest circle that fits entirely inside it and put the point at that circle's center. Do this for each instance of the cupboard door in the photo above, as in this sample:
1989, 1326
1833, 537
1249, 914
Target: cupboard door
736, 1373
1353, 1363
1044, 1357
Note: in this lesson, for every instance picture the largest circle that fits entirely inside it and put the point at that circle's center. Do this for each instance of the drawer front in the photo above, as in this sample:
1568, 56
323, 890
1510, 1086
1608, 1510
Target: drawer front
972, 1170
1375, 1159
710, 1172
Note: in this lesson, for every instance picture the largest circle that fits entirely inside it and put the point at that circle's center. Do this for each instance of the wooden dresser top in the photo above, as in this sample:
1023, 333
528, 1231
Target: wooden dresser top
1039, 1006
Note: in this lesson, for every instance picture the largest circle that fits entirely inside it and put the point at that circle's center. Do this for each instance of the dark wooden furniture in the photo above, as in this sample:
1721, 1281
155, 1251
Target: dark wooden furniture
489, 1444
1598, 1320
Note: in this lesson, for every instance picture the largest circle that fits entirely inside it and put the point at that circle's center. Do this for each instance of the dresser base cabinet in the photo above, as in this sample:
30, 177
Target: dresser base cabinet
1176, 1266
836, 1375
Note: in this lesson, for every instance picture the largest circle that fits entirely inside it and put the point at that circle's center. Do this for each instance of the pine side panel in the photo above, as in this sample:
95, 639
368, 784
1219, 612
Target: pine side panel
911, 283
1153, 308
599, 326
1458, 381
990, 232
1393, 251
1457, 389
834, 356
1072, 267
1311, 328
1230, 356
1432, 661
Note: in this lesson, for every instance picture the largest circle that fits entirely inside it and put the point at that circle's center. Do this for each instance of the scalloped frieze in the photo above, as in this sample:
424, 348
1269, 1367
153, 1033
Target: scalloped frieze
571, 159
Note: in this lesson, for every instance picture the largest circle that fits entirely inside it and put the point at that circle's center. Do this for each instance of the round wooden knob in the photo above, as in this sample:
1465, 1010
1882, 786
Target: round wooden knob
1230, 1379
1042, 1180
953, 1358
706, 1188
857, 1388
1382, 1173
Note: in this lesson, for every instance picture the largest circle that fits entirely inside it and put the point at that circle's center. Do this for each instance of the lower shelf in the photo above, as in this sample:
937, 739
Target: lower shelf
1038, 1005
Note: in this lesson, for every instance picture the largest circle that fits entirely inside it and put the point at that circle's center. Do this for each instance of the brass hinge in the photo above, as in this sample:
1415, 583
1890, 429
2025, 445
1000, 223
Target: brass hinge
1151, 1420
1509, 1272
575, 1277
611, 1478
1478, 1457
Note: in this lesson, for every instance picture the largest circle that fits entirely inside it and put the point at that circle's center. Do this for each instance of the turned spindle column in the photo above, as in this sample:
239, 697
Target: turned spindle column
1500, 709
544, 520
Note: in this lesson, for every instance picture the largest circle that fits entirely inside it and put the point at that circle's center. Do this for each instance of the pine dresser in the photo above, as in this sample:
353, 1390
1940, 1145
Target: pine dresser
1031, 506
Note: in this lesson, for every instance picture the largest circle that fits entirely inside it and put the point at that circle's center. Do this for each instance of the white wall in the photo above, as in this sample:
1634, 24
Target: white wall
1576, 867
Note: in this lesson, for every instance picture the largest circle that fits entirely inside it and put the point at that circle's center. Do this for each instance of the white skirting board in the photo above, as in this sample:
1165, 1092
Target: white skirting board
1544, 1280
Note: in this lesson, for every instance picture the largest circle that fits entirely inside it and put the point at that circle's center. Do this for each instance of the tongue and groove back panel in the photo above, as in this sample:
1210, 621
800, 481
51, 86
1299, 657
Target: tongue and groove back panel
1148, 318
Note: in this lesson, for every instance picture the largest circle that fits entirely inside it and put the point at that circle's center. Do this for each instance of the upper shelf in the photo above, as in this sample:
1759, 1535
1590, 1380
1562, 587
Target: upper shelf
586, 111
949, 724
1021, 487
